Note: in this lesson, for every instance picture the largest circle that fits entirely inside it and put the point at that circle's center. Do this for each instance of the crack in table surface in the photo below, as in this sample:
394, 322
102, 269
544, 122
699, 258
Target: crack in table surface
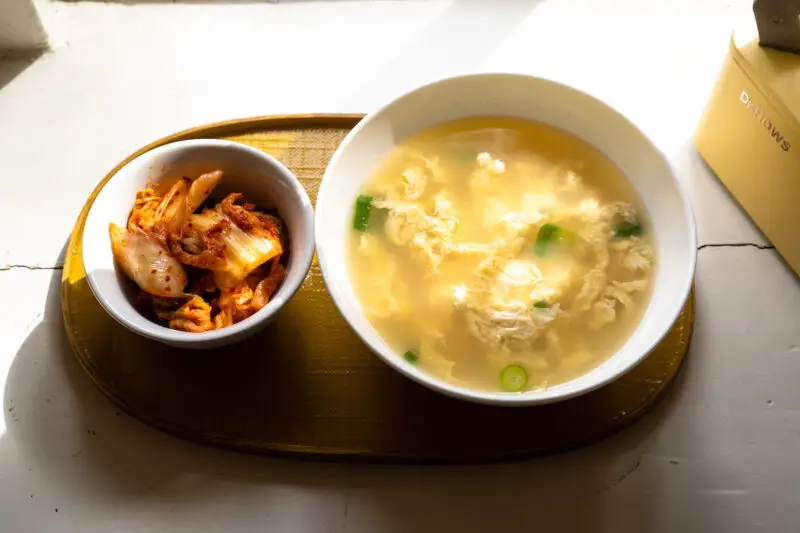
757, 246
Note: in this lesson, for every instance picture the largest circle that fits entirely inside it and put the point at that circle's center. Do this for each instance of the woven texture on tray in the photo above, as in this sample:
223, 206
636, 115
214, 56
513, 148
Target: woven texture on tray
308, 385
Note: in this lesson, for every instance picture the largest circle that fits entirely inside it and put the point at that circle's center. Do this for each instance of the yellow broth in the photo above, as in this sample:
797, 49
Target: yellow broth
495, 244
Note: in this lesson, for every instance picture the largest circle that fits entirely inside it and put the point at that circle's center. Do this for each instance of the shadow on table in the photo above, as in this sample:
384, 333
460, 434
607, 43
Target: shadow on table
63, 428
12, 64
100, 450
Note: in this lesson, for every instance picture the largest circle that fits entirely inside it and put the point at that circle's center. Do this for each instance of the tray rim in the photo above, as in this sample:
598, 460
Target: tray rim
311, 120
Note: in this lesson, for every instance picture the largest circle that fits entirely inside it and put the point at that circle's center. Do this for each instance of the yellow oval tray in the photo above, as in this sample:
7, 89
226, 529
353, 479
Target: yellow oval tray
307, 385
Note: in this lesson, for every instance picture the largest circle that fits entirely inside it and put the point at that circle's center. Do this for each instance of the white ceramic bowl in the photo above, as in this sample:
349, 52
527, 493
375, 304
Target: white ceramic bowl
529, 98
264, 182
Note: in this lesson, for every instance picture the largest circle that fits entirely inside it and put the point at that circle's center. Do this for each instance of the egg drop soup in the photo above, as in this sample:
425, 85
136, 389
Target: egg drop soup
501, 255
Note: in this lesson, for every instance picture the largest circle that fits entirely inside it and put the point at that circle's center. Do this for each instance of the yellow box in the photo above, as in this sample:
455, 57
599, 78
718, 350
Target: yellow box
750, 136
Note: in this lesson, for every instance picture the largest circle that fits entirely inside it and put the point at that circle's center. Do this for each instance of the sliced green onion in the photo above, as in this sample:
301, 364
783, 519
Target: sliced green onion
551, 234
363, 208
629, 230
541, 304
411, 357
513, 378
543, 239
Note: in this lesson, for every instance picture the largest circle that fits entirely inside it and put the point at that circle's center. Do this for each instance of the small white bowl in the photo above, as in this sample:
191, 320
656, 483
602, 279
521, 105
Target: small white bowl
262, 179
528, 98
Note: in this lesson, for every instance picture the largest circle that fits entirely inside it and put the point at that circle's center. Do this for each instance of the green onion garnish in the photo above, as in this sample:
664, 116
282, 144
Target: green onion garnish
411, 357
629, 230
551, 234
513, 378
541, 304
363, 208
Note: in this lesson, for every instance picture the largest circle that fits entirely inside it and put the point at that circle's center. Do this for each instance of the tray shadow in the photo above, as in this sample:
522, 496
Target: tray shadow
88, 448
101, 450
14, 63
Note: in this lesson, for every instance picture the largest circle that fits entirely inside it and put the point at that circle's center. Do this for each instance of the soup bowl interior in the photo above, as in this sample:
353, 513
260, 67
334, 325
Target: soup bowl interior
525, 97
264, 182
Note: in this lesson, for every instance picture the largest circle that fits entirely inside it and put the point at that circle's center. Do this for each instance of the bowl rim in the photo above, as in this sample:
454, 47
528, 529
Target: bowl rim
527, 398
289, 288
